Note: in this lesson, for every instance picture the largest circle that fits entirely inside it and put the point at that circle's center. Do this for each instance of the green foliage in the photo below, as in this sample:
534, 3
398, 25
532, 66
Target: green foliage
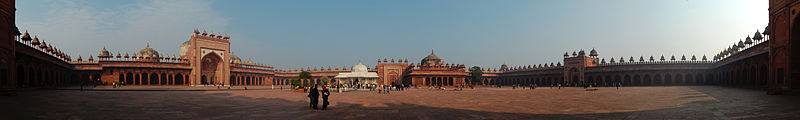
324, 79
476, 74
305, 75
295, 83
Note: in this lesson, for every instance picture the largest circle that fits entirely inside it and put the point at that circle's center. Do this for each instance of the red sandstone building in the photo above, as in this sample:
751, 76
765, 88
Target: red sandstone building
763, 60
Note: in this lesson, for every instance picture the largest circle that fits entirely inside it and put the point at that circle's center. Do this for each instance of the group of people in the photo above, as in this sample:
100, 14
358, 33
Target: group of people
313, 95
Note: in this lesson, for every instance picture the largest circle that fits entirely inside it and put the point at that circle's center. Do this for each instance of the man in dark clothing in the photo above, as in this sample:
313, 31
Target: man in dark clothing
314, 97
325, 94
310, 98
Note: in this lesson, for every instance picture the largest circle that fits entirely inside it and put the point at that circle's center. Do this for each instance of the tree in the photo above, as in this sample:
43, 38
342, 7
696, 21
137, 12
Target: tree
324, 79
476, 74
295, 83
305, 75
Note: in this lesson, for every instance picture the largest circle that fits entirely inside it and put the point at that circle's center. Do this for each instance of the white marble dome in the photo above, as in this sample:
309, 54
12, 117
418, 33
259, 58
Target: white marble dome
359, 67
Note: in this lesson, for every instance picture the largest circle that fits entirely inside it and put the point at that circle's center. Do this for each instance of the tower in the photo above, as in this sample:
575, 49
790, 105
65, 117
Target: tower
208, 56
575, 66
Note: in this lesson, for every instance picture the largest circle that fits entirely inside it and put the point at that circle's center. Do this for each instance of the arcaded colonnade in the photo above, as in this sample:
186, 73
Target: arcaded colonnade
36, 64
151, 77
251, 79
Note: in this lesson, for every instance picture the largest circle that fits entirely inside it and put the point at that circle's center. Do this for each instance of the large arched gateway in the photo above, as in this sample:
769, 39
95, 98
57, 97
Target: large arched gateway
210, 69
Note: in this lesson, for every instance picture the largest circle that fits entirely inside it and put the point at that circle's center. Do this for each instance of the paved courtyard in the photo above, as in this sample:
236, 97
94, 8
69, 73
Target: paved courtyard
677, 102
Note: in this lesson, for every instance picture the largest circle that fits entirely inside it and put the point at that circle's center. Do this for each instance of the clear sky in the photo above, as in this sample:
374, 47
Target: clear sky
302, 33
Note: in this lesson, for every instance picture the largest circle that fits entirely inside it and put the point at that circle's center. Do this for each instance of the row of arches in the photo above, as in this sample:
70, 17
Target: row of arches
539, 80
249, 79
153, 78
635, 79
649, 79
316, 80
37, 76
439, 81
747, 75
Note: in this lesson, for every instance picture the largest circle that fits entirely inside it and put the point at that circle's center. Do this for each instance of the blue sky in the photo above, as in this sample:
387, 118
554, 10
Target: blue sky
292, 33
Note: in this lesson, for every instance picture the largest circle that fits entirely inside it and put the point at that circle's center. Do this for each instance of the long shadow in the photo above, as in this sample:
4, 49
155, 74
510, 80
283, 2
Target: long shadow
49, 104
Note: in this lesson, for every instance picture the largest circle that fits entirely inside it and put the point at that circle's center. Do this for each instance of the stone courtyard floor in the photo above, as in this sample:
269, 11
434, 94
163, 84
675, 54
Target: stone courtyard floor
674, 102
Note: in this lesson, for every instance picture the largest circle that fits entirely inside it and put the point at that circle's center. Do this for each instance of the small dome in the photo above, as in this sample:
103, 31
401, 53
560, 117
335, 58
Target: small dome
26, 36
149, 52
204, 33
593, 52
757, 36
49, 48
43, 45
235, 59
35, 40
104, 52
741, 44
196, 32
184, 48
748, 40
432, 59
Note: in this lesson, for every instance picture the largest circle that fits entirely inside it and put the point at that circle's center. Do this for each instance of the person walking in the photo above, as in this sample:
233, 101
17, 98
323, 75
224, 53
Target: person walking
387, 88
315, 97
325, 94
310, 98
379, 89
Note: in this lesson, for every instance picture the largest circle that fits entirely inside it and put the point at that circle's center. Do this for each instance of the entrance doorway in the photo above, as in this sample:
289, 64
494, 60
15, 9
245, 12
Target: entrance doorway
210, 66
